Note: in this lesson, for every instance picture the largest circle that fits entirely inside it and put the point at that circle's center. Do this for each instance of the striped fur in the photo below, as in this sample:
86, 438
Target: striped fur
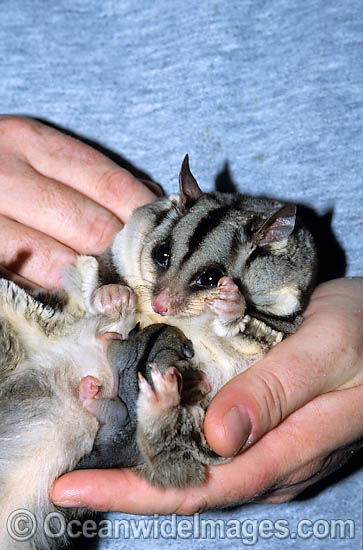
44, 351
217, 229
258, 243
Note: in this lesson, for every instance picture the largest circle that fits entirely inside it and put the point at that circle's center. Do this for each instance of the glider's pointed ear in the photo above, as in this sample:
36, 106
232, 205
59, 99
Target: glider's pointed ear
277, 227
189, 188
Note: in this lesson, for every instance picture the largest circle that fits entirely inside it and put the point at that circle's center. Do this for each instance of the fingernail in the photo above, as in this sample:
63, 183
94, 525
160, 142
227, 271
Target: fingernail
237, 426
70, 504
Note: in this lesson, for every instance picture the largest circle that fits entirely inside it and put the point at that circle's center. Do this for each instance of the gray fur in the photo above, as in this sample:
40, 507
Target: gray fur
44, 431
179, 439
48, 346
268, 253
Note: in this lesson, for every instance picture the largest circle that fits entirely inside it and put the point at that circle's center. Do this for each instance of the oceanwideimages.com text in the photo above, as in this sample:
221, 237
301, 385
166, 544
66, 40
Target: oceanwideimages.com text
22, 526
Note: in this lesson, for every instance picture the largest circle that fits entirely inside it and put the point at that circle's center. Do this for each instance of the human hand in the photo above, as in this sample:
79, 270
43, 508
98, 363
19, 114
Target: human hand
58, 197
301, 405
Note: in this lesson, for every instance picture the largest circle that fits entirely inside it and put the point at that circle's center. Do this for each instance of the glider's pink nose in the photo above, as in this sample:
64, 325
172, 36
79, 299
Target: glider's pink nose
164, 302
160, 307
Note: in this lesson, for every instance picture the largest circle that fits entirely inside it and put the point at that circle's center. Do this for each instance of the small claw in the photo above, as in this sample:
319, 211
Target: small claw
229, 304
169, 376
114, 300
155, 375
154, 368
145, 387
166, 388
141, 378
172, 372
206, 385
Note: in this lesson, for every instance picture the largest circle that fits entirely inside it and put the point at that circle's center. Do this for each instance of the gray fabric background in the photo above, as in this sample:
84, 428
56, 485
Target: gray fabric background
274, 89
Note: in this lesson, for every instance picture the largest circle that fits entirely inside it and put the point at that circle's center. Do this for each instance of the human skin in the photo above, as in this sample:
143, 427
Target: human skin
58, 198
304, 405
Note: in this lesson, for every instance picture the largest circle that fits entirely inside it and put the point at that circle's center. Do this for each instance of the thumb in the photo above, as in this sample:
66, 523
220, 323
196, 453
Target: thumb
322, 356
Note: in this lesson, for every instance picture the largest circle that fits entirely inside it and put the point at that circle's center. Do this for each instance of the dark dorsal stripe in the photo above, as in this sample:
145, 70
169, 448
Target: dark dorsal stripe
160, 216
155, 332
167, 218
209, 222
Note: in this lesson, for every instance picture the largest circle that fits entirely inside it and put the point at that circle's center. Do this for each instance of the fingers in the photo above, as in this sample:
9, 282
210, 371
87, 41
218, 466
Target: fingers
76, 164
114, 490
21, 281
308, 475
318, 439
58, 196
295, 454
325, 353
54, 209
286, 456
32, 255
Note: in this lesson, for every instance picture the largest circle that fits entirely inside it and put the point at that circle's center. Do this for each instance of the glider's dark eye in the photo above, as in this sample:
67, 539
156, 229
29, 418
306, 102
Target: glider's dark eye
188, 349
161, 255
209, 278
